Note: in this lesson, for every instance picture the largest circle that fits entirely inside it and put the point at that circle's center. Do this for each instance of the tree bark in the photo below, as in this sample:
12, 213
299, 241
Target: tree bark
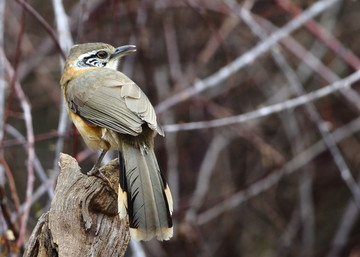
83, 218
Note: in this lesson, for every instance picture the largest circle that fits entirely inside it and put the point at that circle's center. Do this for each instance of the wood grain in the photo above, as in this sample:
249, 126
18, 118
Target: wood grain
82, 220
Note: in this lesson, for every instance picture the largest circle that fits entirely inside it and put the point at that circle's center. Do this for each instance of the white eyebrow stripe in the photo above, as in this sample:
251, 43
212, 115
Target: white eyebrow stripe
90, 59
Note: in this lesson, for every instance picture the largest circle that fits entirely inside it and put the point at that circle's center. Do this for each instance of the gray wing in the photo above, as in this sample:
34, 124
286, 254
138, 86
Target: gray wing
107, 98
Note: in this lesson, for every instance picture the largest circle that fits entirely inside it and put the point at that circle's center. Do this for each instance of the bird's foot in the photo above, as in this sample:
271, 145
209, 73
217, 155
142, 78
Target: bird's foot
97, 173
94, 171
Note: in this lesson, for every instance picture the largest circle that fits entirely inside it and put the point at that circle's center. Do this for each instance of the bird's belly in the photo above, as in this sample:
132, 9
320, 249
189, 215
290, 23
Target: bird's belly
94, 137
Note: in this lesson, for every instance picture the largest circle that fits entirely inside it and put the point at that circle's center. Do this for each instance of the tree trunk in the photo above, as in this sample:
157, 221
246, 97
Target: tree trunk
83, 218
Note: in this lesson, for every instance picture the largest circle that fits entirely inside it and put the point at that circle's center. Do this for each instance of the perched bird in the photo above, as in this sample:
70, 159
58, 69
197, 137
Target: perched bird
111, 112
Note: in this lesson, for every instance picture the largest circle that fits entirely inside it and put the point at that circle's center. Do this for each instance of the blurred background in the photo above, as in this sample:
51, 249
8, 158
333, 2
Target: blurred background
259, 100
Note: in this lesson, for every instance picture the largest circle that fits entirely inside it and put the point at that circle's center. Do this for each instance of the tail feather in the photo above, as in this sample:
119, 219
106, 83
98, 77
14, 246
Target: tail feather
144, 195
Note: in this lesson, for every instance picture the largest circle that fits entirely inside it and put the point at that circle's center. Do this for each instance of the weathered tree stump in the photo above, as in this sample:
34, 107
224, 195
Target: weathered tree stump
83, 219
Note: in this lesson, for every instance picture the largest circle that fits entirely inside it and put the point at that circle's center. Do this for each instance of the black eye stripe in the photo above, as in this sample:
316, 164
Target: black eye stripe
92, 60
90, 57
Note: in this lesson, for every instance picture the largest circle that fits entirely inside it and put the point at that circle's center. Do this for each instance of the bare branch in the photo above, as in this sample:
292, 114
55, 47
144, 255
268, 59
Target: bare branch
44, 23
288, 236
203, 180
246, 58
15, 198
268, 110
314, 63
293, 165
2, 73
311, 111
328, 39
306, 181
37, 164
344, 229
2, 103
176, 76
65, 39
30, 149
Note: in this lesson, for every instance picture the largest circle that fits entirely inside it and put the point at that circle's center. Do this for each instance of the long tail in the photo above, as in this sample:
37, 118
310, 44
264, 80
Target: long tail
144, 194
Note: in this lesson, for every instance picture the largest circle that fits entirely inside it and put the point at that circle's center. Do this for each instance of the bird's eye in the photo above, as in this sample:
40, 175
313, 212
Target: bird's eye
102, 54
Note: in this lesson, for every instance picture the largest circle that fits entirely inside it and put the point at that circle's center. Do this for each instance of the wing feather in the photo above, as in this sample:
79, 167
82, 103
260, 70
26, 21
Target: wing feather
107, 98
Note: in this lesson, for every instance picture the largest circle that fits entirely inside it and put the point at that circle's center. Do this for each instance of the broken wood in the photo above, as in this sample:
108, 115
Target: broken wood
83, 219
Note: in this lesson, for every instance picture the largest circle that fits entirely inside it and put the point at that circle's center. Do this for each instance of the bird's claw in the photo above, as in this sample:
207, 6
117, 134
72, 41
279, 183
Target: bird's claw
97, 173
93, 172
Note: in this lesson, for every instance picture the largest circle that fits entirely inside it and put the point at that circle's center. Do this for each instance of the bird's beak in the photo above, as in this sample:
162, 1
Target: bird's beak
122, 51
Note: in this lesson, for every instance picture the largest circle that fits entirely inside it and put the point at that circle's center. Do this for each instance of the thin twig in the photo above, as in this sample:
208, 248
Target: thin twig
310, 109
2, 75
12, 185
214, 43
19, 139
13, 77
306, 204
247, 132
41, 190
2, 107
30, 150
37, 164
293, 165
30, 160
344, 229
312, 112
43, 23
15, 88
65, 40
349, 57
14, 196
217, 145
137, 248
315, 64
305, 189
307, 211
6, 213
288, 236
271, 109
164, 87
246, 58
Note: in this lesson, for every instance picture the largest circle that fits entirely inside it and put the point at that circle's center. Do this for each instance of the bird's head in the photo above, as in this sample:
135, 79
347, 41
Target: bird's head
97, 55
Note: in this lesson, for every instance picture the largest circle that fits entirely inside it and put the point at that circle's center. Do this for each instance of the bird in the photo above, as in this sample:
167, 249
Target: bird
112, 113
